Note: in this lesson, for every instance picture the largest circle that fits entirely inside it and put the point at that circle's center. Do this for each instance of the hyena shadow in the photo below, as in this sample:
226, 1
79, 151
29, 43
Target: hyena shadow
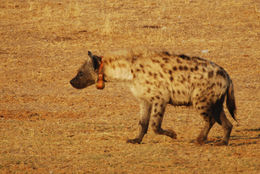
246, 139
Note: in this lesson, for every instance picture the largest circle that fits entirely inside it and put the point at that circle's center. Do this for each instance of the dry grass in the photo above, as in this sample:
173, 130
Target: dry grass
46, 126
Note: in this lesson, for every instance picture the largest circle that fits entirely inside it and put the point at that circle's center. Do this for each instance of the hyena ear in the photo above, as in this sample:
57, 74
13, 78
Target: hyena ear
96, 61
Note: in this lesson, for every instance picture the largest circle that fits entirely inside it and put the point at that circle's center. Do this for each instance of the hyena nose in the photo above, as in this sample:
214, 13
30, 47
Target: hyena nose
72, 82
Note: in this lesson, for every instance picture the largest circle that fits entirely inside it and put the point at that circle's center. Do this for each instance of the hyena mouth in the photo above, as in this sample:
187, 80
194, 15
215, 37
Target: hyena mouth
74, 83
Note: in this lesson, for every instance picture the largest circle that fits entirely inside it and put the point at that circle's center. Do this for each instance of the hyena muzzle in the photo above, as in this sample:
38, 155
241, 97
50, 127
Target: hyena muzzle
161, 78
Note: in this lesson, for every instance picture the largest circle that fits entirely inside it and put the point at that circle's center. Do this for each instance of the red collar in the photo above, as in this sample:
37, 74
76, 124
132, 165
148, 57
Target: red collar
100, 82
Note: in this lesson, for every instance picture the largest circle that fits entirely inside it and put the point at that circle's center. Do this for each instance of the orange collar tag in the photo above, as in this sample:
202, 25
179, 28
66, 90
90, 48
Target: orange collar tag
100, 82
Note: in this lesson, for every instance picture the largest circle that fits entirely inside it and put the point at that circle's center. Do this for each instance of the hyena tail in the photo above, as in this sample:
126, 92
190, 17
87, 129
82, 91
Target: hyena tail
230, 102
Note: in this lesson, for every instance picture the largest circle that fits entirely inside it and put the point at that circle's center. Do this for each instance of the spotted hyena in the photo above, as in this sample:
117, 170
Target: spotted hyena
161, 78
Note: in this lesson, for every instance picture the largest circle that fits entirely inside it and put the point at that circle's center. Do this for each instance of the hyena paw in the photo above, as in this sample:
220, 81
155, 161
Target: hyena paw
221, 143
201, 140
171, 134
134, 141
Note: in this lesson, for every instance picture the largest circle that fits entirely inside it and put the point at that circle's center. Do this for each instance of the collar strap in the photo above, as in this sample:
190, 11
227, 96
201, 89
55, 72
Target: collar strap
100, 81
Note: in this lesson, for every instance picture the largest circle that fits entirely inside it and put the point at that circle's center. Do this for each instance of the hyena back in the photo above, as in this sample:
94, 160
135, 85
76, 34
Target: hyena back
158, 79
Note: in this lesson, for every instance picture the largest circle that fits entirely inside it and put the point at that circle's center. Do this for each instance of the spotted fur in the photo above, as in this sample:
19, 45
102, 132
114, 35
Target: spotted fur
161, 78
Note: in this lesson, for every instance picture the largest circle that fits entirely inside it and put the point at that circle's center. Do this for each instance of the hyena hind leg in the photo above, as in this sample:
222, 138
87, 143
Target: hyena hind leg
227, 127
157, 113
209, 122
145, 111
204, 107
212, 114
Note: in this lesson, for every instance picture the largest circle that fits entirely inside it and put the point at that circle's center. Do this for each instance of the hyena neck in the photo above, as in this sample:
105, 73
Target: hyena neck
117, 69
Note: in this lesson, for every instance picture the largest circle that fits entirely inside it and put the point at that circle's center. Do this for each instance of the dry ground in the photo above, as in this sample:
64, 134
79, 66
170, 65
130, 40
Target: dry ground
46, 126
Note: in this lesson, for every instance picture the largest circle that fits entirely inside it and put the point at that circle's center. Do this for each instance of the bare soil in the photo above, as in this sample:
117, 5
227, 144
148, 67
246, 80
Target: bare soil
46, 126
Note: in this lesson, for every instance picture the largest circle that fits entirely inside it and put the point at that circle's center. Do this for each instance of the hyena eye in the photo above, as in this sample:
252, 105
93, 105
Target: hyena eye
80, 74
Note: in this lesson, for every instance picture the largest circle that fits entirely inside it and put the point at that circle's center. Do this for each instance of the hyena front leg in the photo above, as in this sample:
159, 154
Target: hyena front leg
145, 111
157, 113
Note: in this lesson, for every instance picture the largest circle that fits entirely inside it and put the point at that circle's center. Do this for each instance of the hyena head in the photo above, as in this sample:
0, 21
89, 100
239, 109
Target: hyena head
87, 74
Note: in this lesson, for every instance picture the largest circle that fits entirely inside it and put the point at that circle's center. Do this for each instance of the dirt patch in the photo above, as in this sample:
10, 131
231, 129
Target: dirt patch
46, 126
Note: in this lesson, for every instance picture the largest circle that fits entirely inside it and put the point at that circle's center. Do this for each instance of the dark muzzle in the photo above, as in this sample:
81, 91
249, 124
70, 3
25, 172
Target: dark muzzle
76, 84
